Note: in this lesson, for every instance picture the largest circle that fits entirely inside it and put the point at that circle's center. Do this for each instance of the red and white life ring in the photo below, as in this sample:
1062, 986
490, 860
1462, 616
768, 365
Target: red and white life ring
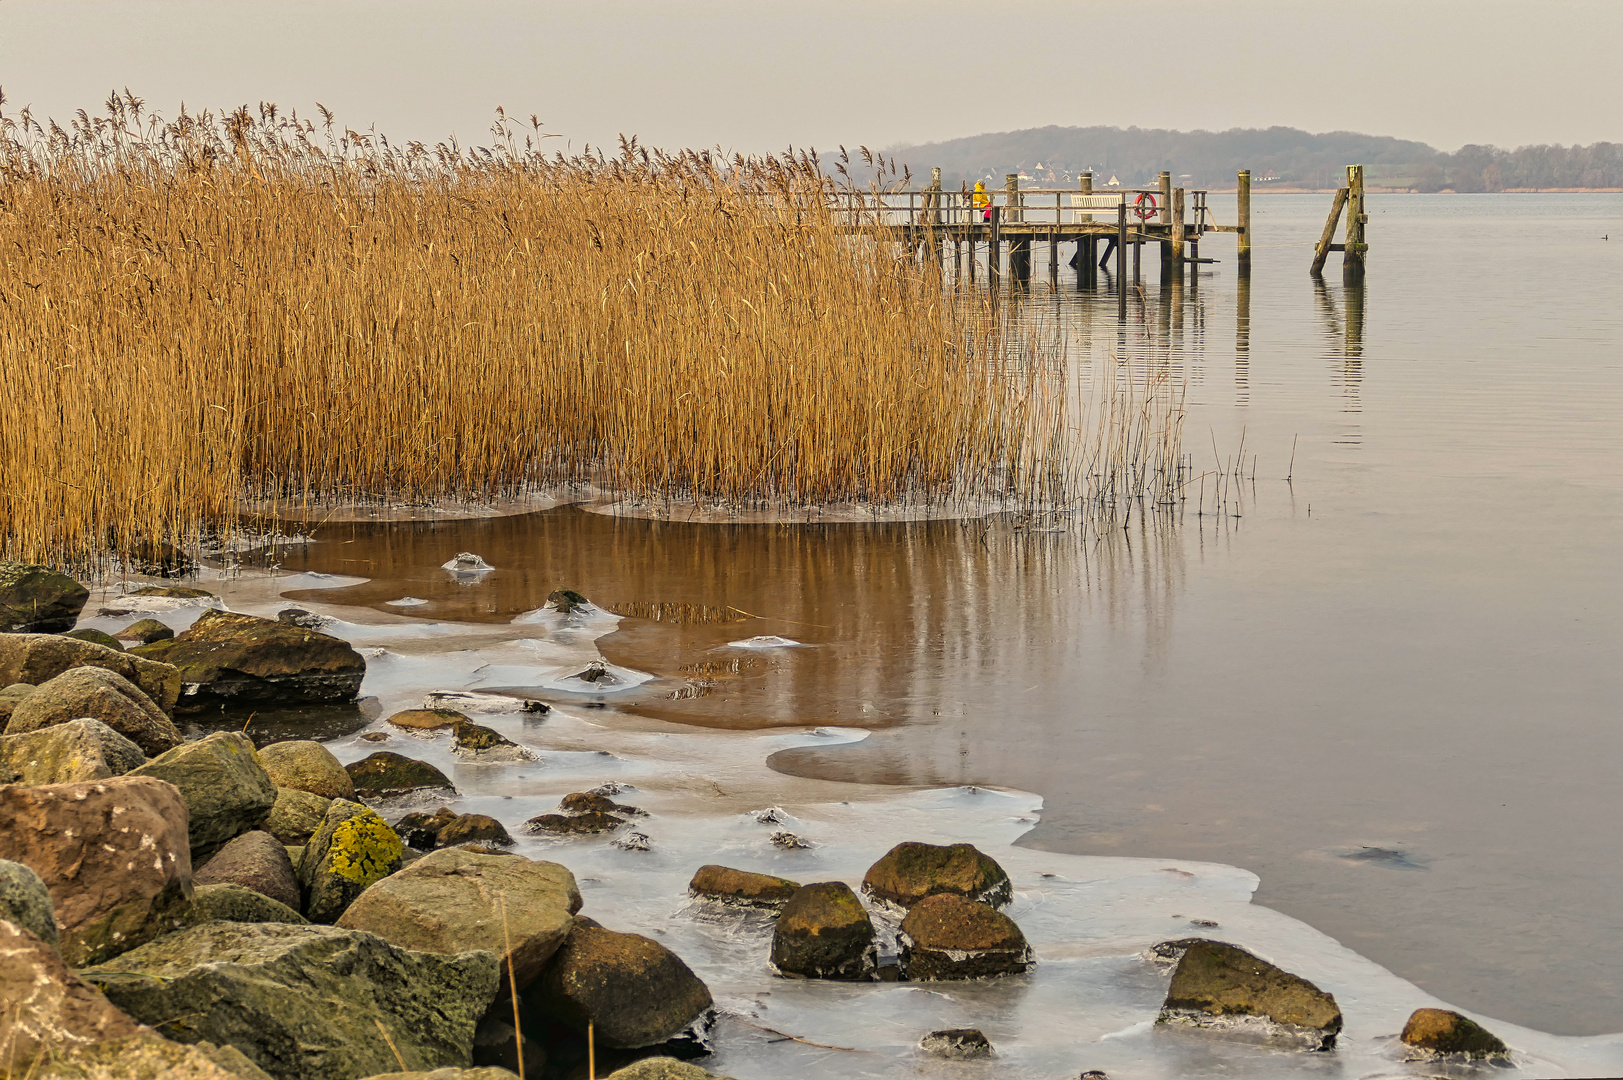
1145, 206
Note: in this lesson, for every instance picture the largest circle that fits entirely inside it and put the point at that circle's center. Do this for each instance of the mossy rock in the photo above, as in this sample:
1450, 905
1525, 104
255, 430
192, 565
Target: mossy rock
225, 902
741, 887
824, 932
38, 600
296, 815
353, 849
38, 658
953, 937
229, 659
101, 695
98, 637
227, 791
427, 719
1222, 982
386, 773
911, 871
145, 632
84, 749
593, 821
1443, 1031
631, 989
26, 902
472, 829
306, 765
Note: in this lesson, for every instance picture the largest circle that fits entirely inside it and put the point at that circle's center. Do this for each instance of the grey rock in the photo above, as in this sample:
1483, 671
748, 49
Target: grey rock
38, 600
83, 749
38, 658
305, 1002
25, 901
296, 815
101, 695
237, 903
227, 792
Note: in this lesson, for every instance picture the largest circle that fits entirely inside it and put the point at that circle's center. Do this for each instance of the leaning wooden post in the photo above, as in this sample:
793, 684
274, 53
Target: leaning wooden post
1242, 194
1352, 258
1321, 250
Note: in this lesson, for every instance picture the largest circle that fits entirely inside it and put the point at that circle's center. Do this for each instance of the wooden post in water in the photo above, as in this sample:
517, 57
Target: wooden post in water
994, 250
1242, 194
1177, 233
1321, 250
1121, 259
1085, 245
1352, 258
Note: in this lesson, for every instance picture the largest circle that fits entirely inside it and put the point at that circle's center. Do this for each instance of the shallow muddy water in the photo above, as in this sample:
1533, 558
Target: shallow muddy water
1389, 688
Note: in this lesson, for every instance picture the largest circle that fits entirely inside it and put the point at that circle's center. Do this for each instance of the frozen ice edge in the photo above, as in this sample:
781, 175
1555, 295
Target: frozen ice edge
1089, 1003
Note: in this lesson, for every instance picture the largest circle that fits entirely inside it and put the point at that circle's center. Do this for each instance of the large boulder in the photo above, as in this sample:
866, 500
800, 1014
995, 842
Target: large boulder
824, 932
296, 815
10, 697
113, 854
101, 695
305, 1002
1226, 990
38, 600
227, 791
1443, 1031
151, 1057
950, 937
38, 658
65, 753
242, 660
631, 989
472, 829
741, 887
25, 901
255, 860
235, 903
44, 1006
306, 766
455, 900
353, 849
100, 637
145, 632
385, 773
911, 871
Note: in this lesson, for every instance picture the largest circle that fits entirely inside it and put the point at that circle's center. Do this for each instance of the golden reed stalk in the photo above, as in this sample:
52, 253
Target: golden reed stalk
199, 313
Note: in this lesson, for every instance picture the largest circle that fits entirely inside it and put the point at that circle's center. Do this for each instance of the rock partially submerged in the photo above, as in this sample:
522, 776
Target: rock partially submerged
956, 1044
145, 632
38, 658
227, 791
911, 871
824, 932
631, 989
1445, 1032
421, 830
101, 695
228, 659
1224, 990
255, 860
67, 753
112, 853
951, 937
569, 602
305, 765
427, 719
386, 773
741, 887
38, 600
305, 1002
353, 849
454, 900
472, 829
478, 743
593, 821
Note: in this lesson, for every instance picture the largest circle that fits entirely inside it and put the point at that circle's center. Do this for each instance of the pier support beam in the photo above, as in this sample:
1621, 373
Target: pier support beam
1121, 262
1242, 195
1177, 233
1164, 203
1352, 259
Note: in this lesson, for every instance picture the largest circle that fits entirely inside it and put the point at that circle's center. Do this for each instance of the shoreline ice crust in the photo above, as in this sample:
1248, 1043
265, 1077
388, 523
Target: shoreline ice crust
1090, 1001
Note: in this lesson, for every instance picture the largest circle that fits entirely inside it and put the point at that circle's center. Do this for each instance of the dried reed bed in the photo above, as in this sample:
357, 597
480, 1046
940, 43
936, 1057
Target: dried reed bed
218, 309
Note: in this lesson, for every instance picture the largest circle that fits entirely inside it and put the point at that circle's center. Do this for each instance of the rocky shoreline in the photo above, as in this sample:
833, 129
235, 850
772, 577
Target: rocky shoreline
209, 907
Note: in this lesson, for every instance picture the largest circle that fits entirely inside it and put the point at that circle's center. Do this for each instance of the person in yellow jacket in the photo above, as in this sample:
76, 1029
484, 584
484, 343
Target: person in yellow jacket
981, 201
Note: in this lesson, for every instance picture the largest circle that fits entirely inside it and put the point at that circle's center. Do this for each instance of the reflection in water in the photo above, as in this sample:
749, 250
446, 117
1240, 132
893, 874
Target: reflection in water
1242, 340
1344, 341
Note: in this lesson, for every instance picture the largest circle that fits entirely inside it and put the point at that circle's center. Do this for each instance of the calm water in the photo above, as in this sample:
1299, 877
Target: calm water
1389, 687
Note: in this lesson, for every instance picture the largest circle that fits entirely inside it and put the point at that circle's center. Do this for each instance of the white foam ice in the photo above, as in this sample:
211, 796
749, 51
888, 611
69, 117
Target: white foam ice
406, 601
765, 641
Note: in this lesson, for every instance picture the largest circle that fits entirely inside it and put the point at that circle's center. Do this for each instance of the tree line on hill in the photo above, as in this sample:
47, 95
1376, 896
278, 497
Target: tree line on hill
1276, 156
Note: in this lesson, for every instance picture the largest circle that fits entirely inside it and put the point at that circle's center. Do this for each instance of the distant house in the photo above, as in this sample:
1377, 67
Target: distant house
1112, 182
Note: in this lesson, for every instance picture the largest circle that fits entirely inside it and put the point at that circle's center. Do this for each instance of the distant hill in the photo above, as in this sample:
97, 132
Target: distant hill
1288, 157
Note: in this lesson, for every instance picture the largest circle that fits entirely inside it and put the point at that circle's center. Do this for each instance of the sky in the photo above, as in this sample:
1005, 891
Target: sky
764, 75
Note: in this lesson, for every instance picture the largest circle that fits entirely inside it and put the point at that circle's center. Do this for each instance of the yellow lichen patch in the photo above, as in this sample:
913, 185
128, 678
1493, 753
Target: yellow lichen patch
364, 849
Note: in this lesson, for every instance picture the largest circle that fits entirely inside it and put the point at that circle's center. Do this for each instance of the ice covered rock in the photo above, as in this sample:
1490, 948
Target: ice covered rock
455, 900
633, 990
1442, 1031
243, 660
569, 602
306, 1002
911, 871
1225, 990
741, 887
113, 854
478, 743
227, 791
83, 749
824, 932
956, 1044
101, 695
305, 765
38, 600
951, 937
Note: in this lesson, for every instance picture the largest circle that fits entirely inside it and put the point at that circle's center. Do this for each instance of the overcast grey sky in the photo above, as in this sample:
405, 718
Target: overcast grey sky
761, 75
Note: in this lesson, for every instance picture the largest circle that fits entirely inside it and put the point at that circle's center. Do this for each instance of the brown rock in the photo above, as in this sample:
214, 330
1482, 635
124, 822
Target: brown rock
427, 719
385, 773
741, 887
1442, 1031
113, 854
951, 937
455, 900
583, 802
591, 822
254, 860
1222, 982
99, 637
633, 990
101, 695
37, 599
296, 815
470, 829
305, 765
911, 871
10, 697
824, 933
38, 658
43, 1004
422, 830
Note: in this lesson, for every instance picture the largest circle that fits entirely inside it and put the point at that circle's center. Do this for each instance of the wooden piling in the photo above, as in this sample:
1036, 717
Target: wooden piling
1086, 246
1177, 232
1121, 259
1164, 217
1352, 259
1321, 250
1242, 192
1011, 198
994, 249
